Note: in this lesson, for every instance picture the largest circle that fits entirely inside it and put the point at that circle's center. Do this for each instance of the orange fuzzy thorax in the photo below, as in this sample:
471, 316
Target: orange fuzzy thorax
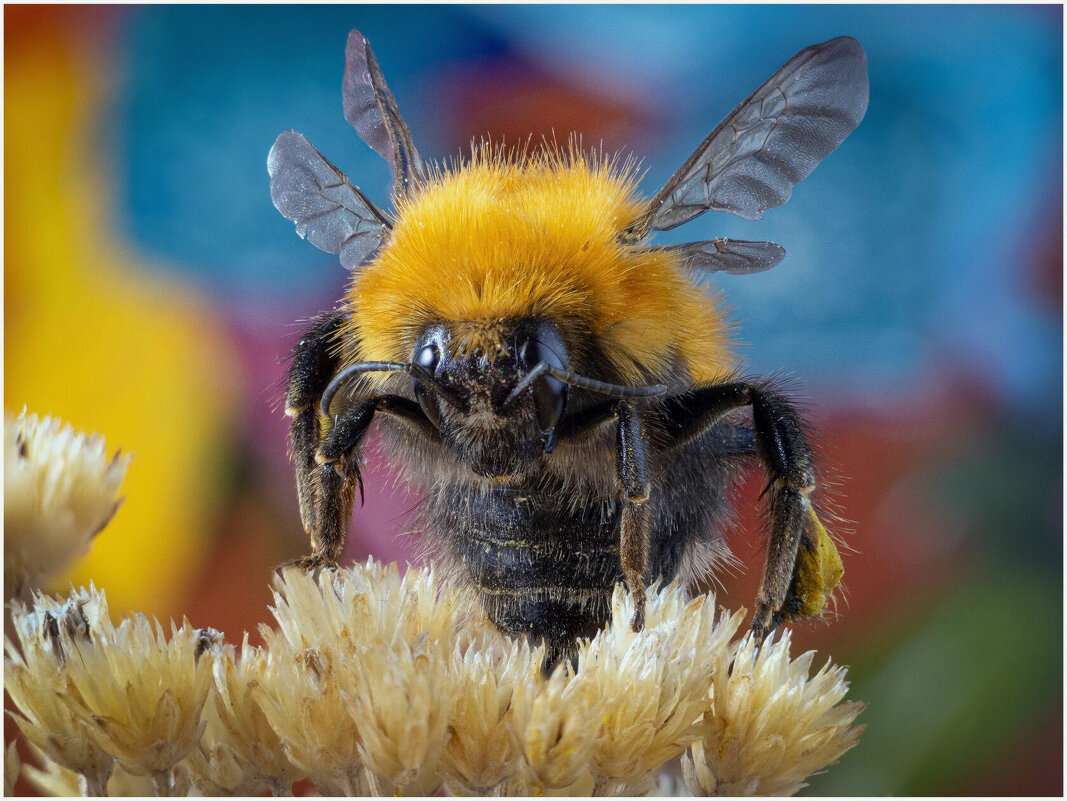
503, 237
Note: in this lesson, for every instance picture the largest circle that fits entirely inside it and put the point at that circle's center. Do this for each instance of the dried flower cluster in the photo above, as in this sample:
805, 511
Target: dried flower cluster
60, 490
377, 683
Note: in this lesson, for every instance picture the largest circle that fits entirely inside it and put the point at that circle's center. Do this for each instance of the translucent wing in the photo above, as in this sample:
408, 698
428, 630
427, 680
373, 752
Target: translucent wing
371, 109
770, 142
329, 211
733, 256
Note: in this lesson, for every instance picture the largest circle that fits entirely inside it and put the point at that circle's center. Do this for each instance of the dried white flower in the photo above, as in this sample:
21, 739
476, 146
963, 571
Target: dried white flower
346, 609
553, 724
137, 695
145, 693
12, 767
399, 697
657, 680
59, 491
377, 683
371, 646
770, 725
299, 692
54, 718
479, 754
242, 723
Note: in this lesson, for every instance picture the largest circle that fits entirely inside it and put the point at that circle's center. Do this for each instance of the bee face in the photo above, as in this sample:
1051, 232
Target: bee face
477, 390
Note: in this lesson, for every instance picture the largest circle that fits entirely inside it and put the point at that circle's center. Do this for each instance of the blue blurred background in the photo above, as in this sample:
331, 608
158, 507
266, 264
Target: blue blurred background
152, 291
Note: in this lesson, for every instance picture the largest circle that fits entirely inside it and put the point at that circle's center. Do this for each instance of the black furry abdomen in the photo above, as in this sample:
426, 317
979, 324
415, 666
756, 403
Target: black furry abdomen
542, 569
543, 555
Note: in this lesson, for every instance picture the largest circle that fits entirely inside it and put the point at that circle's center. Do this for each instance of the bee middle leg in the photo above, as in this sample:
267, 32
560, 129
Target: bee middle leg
781, 445
631, 463
337, 468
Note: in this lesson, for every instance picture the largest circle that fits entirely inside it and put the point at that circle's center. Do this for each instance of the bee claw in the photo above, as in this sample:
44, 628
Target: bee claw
637, 623
764, 621
313, 563
339, 467
359, 481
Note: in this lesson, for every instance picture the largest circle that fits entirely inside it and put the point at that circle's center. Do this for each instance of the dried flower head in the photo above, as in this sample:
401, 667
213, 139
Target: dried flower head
242, 724
346, 609
377, 683
657, 680
136, 695
553, 725
770, 725
53, 715
145, 692
59, 491
479, 754
371, 645
300, 694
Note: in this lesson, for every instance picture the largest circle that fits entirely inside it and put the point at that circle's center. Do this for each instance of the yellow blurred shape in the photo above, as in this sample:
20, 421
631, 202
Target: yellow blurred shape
96, 340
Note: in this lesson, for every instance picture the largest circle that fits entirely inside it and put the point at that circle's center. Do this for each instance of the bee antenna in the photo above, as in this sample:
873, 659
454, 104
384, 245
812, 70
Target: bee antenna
575, 380
350, 372
359, 368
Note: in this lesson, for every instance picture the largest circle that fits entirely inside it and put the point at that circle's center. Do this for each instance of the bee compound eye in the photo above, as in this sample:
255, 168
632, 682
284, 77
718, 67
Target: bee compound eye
533, 351
428, 357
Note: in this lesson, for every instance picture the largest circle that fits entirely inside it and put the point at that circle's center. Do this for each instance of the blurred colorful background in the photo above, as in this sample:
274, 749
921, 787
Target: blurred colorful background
151, 292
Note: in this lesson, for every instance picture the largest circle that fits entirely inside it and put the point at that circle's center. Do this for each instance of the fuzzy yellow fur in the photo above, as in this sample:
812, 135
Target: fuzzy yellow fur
534, 235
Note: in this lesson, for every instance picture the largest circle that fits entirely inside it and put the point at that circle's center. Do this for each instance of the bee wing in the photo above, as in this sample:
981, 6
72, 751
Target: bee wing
371, 109
329, 212
770, 142
733, 256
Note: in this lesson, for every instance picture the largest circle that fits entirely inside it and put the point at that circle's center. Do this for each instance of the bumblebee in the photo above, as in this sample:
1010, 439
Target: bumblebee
559, 387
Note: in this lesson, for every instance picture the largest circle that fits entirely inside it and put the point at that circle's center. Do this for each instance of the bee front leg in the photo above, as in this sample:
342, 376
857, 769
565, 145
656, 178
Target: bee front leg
312, 364
631, 460
802, 565
337, 475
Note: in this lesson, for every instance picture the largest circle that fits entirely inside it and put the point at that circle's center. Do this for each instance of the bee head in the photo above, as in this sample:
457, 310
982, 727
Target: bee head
479, 387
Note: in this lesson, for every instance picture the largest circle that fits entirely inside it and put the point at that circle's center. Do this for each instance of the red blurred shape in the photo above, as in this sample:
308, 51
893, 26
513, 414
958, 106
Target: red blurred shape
509, 99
